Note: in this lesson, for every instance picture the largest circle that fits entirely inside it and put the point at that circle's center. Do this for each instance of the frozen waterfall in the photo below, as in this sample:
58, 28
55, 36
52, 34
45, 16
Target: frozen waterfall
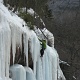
16, 39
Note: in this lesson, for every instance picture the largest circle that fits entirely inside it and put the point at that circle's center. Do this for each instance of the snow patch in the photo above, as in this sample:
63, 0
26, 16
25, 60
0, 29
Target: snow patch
31, 11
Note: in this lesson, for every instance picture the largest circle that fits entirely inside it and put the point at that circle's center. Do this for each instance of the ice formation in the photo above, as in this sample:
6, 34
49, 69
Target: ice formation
15, 35
18, 72
29, 74
1, 1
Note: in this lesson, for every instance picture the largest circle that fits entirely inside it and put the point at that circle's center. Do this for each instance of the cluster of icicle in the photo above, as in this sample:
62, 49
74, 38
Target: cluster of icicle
11, 30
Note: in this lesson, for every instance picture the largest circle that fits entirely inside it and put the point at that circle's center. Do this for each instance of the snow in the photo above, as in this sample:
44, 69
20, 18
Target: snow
30, 11
34, 14
48, 35
63, 62
12, 33
42, 21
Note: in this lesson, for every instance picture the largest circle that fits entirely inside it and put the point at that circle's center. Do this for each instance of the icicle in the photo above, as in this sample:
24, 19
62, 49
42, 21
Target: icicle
39, 71
16, 33
7, 48
35, 49
54, 65
4, 48
0, 50
47, 67
2, 57
26, 46
13, 39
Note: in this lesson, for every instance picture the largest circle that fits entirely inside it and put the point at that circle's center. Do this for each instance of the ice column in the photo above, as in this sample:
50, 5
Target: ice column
35, 49
18, 72
25, 39
5, 43
29, 74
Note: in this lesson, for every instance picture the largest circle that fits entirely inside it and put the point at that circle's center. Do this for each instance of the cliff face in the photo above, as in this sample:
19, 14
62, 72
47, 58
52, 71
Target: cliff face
16, 43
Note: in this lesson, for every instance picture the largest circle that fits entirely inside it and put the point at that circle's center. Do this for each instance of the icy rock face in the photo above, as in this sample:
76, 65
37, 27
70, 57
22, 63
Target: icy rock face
14, 34
18, 72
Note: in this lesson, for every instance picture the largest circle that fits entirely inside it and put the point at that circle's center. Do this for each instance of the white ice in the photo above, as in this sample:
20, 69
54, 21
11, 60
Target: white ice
1, 1
29, 74
12, 28
0, 78
18, 72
